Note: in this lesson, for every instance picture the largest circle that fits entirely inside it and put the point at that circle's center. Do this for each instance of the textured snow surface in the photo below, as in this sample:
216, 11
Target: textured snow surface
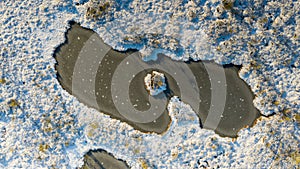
155, 83
42, 126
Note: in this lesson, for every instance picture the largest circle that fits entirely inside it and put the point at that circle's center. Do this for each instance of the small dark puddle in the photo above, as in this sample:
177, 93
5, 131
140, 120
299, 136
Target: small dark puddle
100, 159
239, 110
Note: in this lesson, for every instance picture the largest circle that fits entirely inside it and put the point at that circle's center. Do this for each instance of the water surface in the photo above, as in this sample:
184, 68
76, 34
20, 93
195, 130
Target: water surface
239, 110
100, 159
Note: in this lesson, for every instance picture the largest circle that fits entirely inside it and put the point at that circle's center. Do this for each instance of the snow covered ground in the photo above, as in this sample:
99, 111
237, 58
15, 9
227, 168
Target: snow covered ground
42, 126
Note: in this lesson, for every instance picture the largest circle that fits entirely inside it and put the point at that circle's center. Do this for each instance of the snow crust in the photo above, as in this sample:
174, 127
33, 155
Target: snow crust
155, 83
42, 126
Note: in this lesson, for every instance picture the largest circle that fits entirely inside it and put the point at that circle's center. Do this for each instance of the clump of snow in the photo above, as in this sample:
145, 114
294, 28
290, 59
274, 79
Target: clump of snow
155, 83
50, 128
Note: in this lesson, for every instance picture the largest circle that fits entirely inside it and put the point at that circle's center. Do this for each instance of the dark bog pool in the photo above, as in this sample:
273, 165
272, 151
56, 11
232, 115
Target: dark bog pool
103, 160
96, 74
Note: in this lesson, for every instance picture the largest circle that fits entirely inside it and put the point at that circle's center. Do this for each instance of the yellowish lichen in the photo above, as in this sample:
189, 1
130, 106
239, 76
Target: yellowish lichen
160, 83
296, 157
228, 4
90, 133
286, 111
285, 118
297, 118
48, 129
97, 11
255, 65
94, 125
2, 81
67, 143
143, 163
136, 151
174, 155
157, 42
13, 103
295, 36
276, 102
43, 147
